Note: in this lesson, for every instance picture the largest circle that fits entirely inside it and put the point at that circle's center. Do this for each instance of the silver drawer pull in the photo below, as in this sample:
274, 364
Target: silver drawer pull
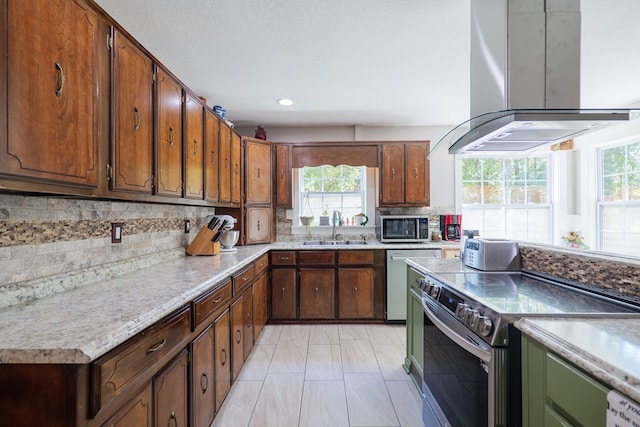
157, 347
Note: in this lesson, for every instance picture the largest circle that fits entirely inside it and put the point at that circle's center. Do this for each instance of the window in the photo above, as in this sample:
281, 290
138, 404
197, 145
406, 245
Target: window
507, 197
329, 188
619, 199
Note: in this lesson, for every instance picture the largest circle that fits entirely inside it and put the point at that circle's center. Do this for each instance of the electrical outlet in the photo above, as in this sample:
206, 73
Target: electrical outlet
187, 226
116, 232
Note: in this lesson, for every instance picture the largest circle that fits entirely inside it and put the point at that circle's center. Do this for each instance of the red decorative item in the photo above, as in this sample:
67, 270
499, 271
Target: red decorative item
261, 133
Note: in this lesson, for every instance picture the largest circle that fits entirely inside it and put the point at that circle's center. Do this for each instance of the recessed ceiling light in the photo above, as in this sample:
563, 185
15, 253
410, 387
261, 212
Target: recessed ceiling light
285, 101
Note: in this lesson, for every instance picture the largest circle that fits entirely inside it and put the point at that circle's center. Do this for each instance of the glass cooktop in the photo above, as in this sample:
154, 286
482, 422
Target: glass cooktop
515, 293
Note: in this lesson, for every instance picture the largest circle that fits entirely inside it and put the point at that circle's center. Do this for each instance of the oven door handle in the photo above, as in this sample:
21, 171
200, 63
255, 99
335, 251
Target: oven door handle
463, 342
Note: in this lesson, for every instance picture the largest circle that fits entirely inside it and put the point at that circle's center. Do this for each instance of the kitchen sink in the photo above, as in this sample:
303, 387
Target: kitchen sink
334, 242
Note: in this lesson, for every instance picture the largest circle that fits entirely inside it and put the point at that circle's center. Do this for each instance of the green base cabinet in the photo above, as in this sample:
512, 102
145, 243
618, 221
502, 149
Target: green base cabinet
415, 325
556, 393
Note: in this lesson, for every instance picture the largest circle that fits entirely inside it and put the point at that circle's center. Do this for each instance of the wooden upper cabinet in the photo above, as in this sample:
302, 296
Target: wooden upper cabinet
405, 174
417, 174
50, 73
224, 165
193, 148
169, 135
236, 158
132, 144
392, 174
258, 225
257, 167
211, 156
282, 171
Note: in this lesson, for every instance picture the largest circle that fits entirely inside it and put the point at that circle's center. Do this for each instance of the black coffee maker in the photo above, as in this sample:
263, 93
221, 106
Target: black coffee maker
451, 227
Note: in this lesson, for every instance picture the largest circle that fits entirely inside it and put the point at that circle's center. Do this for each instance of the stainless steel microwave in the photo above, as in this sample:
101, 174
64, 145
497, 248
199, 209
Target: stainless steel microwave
404, 229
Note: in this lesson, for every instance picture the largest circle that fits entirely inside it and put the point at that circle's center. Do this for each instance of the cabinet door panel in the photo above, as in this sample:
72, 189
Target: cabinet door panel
283, 177
355, 292
170, 393
237, 337
257, 172
51, 82
138, 412
258, 225
222, 358
236, 158
417, 174
247, 310
225, 164
132, 146
203, 378
259, 304
211, 162
317, 293
283, 293
169, 142
392, 191
193, 149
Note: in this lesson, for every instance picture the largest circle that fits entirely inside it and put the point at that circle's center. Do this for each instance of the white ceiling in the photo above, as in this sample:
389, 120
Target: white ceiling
354, 62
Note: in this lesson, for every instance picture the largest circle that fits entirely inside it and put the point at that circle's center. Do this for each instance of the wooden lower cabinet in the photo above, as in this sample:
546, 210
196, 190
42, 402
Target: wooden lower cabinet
170, 393
317, 293
237, 337
283, 294
203, 378
247, 311
138, 412
222, 358
356, 293
259, 304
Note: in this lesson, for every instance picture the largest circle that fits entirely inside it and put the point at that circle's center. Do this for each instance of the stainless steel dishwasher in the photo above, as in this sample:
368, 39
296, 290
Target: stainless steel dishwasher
397, 280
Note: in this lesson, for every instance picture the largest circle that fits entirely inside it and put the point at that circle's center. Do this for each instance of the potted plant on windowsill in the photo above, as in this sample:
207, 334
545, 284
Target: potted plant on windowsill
324, 218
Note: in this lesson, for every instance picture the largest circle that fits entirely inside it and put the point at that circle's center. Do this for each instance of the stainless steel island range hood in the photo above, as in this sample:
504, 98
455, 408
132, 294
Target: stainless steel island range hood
525, 80
522, 130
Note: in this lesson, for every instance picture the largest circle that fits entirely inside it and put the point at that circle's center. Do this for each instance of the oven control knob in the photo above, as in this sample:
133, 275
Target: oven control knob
484, 326
434, 291
422, 284
473, 322
468, 315
460, 310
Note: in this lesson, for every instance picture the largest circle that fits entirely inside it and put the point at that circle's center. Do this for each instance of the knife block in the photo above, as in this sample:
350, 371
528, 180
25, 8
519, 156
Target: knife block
202, 244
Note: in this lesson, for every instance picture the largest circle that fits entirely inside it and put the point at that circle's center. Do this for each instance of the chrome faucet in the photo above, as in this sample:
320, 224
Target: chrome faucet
336, 219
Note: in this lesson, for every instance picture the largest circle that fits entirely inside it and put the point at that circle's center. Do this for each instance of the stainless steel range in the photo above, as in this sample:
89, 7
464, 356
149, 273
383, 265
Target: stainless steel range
471, 351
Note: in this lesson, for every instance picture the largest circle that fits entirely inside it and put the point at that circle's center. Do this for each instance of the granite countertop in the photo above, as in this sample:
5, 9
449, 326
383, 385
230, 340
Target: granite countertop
81, 324
608, 349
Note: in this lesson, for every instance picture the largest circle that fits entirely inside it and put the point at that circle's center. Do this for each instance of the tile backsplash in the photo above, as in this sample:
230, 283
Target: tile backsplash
48, 243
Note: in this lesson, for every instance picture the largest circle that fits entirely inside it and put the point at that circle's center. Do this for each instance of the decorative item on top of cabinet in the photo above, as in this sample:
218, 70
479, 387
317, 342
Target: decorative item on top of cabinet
282, 171
50, 77
211, 156
193, 147
169, 135
132, 139
405, 174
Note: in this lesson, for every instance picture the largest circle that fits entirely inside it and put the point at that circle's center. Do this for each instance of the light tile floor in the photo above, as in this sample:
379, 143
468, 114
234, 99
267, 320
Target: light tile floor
324, 375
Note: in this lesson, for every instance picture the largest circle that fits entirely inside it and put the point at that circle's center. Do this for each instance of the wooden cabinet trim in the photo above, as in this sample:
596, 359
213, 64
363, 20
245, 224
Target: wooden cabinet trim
210, 302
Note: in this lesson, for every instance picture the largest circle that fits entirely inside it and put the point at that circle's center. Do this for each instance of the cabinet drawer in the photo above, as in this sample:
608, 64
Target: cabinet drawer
243, 279
283, 258
262, 263
316, 257
575, 395
355, 257
113, 373
210, 302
